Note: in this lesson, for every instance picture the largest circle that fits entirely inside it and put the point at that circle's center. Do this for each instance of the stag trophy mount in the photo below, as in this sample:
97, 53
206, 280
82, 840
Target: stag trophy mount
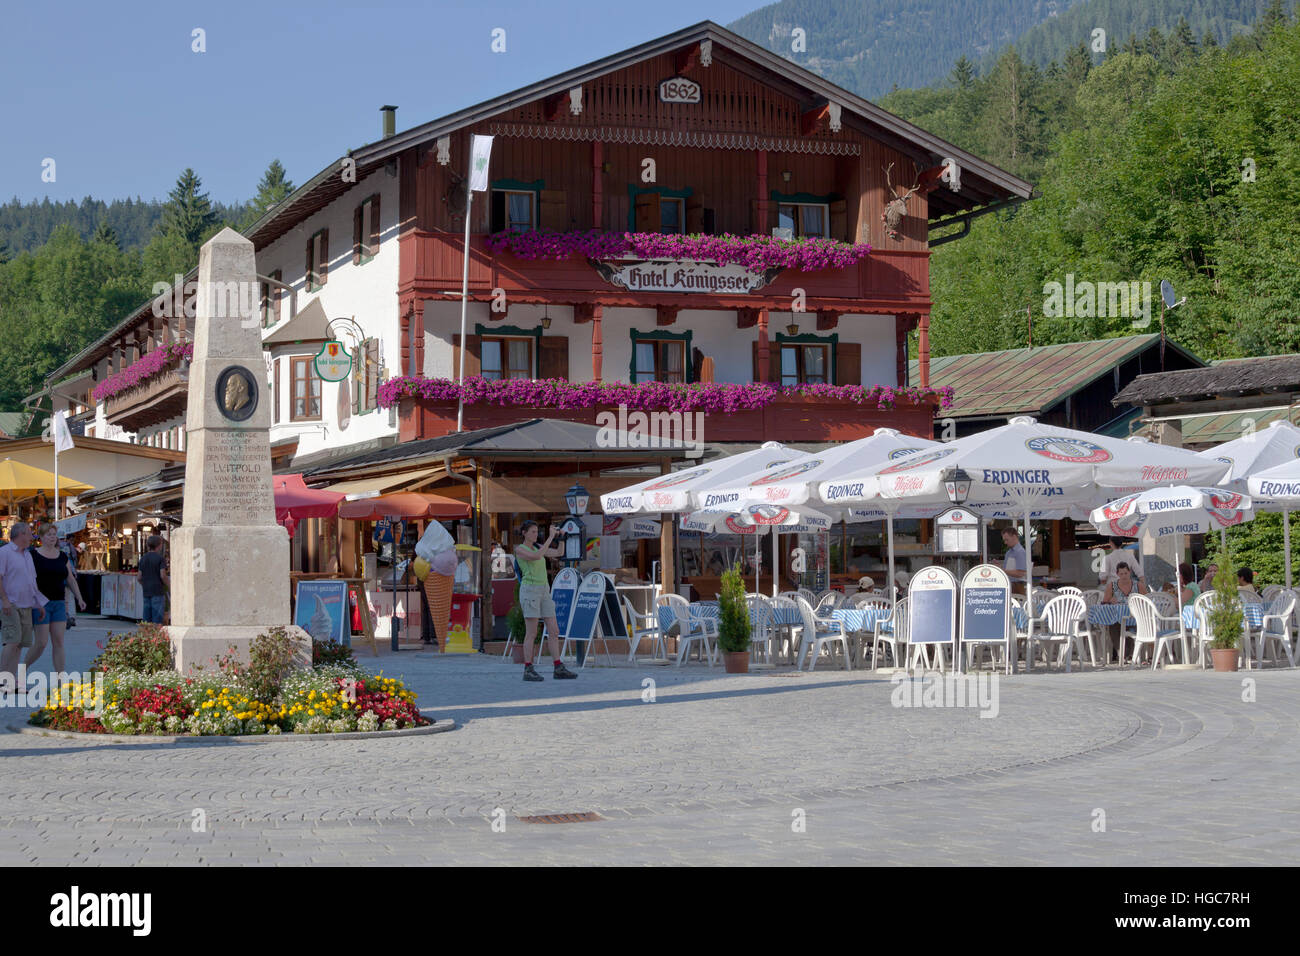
896, 208
456, 195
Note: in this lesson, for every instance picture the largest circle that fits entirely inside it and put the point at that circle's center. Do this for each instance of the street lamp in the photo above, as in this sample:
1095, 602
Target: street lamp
576, 498
957, 483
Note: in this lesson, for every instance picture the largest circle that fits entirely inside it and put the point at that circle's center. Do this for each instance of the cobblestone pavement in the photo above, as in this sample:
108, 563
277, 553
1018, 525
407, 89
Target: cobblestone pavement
719, 768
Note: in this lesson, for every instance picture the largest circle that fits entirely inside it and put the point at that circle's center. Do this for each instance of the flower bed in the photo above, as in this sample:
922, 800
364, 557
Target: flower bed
713, 397
143, 369
336, 697
756, 253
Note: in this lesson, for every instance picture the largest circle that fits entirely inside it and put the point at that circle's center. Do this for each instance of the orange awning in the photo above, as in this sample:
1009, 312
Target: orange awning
405, 504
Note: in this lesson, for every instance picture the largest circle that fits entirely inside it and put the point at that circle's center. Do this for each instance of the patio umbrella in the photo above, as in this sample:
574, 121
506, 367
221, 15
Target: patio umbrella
1274, 447
1175, 510
691, 489
1032, 466
294, 501
800, 480
1279, 486
21, 480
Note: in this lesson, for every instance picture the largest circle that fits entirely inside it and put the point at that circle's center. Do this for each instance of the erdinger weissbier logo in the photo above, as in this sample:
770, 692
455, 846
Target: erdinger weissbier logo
768, 514
1125, 527
1223, 500
736, 527
1064, 448
898, 453
678, 479
1120, 508
918, 461
789, 472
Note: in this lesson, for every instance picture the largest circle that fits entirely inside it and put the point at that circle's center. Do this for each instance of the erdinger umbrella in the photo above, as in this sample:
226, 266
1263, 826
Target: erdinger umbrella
802, 479
1030, 466
1177, 510
693, 488
1276, 447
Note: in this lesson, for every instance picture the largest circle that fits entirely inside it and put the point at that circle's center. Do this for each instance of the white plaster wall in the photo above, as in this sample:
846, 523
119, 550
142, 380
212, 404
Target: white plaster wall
366, 294
714, 333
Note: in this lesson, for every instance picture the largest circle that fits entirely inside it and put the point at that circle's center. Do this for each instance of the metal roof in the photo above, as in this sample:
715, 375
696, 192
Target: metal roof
1029, 381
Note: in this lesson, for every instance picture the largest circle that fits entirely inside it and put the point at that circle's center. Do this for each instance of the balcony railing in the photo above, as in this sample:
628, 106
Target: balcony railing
149, 403
789, 418
431, 263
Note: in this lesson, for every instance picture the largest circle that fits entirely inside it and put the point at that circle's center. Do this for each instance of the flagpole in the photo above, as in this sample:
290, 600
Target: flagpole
464, 289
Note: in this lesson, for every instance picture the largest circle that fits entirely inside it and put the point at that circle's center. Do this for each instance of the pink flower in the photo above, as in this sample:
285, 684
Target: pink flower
143, 369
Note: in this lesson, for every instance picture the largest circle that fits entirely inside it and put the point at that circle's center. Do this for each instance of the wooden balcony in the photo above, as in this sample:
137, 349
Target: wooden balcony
788, 419
149, 403
885, 281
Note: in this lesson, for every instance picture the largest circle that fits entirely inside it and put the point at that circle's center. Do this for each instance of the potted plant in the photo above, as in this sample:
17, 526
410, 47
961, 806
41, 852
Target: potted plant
733, 625
518, 628
1225, 619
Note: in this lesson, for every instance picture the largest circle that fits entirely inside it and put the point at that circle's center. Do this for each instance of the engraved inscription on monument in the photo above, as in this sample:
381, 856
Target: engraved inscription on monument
236, 393
236, 474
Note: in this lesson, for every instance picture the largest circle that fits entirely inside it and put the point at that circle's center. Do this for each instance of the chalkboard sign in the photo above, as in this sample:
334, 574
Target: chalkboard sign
986, 606
933, 594
563, 589
588, 605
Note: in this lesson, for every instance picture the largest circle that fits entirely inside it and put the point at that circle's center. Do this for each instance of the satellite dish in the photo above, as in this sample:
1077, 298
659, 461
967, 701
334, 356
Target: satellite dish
1167, 293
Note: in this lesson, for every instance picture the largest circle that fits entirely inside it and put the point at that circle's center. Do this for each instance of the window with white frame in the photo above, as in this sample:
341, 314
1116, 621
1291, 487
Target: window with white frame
503, 357
804, 219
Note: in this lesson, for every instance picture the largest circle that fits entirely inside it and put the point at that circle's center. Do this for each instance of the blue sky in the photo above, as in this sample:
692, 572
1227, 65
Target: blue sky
114, 94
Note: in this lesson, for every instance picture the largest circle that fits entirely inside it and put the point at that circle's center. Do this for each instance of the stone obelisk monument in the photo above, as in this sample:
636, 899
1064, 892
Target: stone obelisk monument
230, 560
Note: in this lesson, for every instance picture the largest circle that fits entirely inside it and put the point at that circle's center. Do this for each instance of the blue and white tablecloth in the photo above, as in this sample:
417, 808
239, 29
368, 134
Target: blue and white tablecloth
1253, 614
1104, 615
861, 619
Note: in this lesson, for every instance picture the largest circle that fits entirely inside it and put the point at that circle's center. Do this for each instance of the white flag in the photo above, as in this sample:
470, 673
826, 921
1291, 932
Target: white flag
480, 153
62, 436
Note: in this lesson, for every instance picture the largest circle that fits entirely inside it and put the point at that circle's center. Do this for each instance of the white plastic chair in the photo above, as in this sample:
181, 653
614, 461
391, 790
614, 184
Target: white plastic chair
1068, 589
816, 635
1166, 603
866, 602
1204, 633
830, 601
1276, 629
1063, 623
785, 609
759, 626
807, 595
643, 625
1149, 629
691, 630
895, 631
1270, 593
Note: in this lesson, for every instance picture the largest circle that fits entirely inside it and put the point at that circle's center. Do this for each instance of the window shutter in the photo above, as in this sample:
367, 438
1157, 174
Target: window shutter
753, 217
694, 215
372, 373
773, 363
276, 291
498, 212
848, 363
358, 377
554, 212
473, 356
647, 213
553, 357
375, 226
275, 408
358, 218
839, 226
311, 263
324, 255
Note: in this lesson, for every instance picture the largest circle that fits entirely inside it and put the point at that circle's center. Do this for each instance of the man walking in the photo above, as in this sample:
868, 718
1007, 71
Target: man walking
154, 580
21, 602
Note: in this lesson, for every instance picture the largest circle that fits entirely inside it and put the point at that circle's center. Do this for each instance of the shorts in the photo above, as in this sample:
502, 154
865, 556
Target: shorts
55, 611
16, 626
535, 601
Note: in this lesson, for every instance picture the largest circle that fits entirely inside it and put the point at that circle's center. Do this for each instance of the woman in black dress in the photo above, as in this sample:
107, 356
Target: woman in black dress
54, 572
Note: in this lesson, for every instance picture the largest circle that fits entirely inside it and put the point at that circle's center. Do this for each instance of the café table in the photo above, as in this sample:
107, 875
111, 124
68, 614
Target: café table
860, 620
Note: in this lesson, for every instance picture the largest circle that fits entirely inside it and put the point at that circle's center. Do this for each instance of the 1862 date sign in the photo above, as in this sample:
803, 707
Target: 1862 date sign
679, 90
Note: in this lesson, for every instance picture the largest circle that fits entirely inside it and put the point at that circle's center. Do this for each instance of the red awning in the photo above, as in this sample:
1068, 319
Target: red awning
293, 499
404, 504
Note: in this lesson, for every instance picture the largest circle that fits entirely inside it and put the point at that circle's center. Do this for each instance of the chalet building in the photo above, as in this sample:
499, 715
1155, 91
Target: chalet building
698, 133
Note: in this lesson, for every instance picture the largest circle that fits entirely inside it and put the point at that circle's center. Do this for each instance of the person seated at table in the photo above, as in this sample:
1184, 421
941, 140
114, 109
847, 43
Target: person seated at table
1246, 586
1191, 590
1118, 589
1207, 582
866, 584
900, 582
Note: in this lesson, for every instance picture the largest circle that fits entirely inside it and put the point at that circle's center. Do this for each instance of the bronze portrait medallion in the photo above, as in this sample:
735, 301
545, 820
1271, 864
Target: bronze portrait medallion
236, 393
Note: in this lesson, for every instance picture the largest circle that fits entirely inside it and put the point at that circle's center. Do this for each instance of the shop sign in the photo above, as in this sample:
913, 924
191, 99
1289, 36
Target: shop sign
682, 275
334, 363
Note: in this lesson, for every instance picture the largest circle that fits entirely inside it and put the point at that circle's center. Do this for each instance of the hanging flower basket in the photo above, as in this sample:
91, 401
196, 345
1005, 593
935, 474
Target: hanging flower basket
140, 371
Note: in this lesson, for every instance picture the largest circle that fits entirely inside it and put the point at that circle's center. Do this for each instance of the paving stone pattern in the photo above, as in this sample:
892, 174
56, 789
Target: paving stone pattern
719, 769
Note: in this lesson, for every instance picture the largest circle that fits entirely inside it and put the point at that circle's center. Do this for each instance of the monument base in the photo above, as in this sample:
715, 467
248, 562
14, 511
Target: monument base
200, 646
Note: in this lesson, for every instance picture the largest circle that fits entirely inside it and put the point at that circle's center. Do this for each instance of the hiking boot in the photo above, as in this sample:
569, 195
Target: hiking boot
531, 674
563, 673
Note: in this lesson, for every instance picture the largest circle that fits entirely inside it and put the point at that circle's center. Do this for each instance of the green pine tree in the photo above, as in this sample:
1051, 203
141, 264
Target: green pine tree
272, 189
188, 213
105, 233
963, 73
